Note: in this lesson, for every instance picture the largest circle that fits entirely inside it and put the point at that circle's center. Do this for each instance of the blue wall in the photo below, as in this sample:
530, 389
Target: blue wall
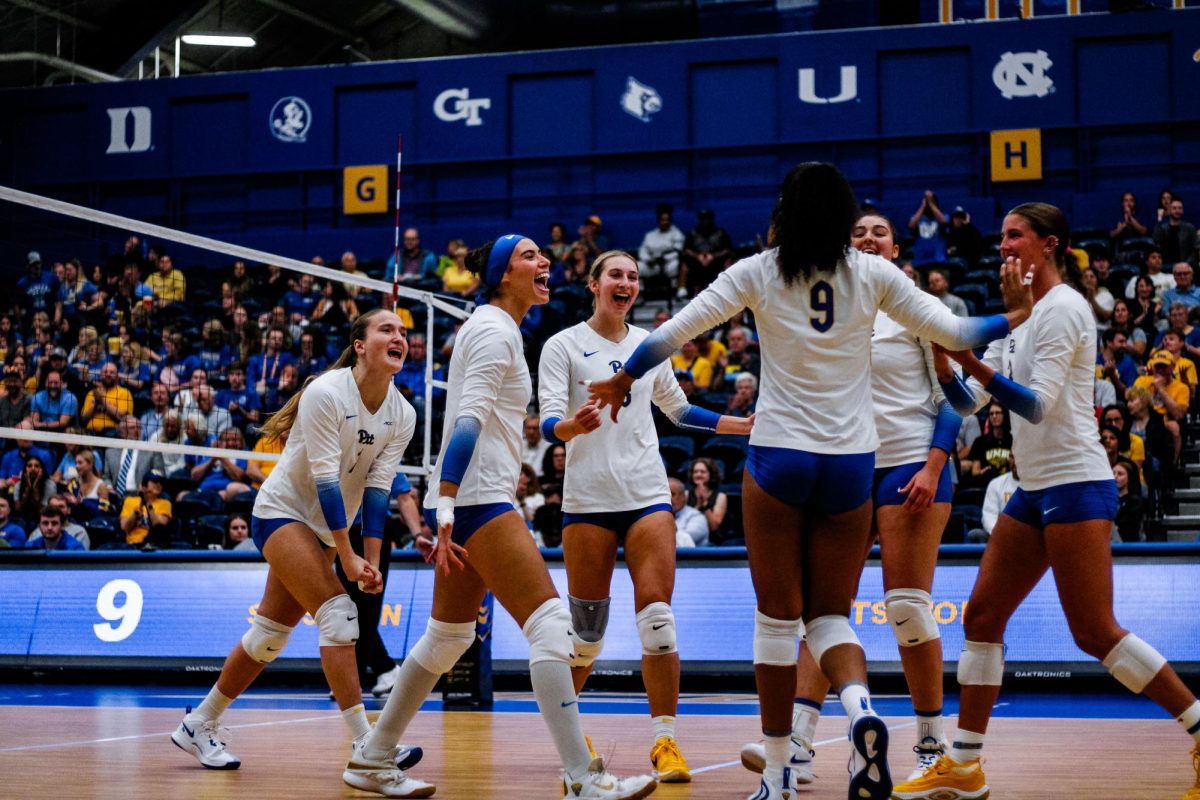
718, 127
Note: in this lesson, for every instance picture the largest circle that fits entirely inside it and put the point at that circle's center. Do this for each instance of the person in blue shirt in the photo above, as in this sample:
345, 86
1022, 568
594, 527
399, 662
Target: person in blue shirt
53, 408
301, 301
410, 380
13, 462
51, 534
266, 367
1185, 290
1113, 355
310, 361
929, 226
176, 359
77, 294
215, 354
38, 288
12, 534
242, 404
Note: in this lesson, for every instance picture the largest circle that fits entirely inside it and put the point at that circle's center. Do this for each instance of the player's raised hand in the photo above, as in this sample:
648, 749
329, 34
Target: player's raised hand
610, 392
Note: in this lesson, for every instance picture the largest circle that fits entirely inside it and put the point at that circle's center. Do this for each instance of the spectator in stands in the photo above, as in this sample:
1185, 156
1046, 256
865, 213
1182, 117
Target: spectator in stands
106, 404
1185, 290
175, 464
1117, 416
707, 251
225, 476
535, 445
989, 453
168, 284
11, 534
265, 368
1149, 426
938, 285
87, 487
1177, 320
10, 338
185, 399
51, 534
1144, 310
241, 403
1102, 266
215, 353
289, 384
687, 382
530, 498
243, 334
176, 366
457, 279
299, 303
94, 359
416, 263
1128, 226
71, 526
744, 397
704, 492
33, 488
217, 419
272, 286
1183, 367
1114, 362
53, 409
310, 361
13, 462
446, 259
1169, 396
237, 534
658, 255
1162, 281
661, 316
132, 370
241, 282
1164, 205
115, 267
558, 245
688, 359
410, 380
77, 296
146, 510
336, 310
1135, 338
124, 467
594, 242
688, 520
152, 419
554, 464
349, 265
736, 360
1113, 440
1175, 236
1131, 508
928, 224
995, 498
963, 239
15, 404
38, 289
1099, 299
257, 471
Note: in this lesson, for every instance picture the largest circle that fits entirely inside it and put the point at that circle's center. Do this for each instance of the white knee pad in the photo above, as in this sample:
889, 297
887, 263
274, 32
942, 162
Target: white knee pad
589, 619
910, 613
1134, 663
265, 639
442, 644
825, 633
656, 628
337, 621
981, 664
550, 634
775, 640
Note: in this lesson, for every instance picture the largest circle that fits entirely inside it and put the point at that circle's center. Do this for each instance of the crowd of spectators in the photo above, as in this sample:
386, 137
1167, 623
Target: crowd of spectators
134, 348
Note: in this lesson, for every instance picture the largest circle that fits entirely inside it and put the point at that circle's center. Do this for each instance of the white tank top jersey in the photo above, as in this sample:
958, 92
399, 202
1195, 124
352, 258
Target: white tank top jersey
334, 435
905, 391
815, 340
615, 467
489, 382
1054, 355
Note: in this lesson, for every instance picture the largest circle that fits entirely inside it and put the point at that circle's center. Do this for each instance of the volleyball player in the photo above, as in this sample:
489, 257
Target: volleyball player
348, 431
807, 485
471, 504
1060, 518
912, 492
616, 492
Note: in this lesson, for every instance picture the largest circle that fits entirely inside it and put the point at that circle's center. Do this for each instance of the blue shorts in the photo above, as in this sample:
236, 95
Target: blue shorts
261, 529
619, 522
468, 519
1068, 502
890, 480
827, 484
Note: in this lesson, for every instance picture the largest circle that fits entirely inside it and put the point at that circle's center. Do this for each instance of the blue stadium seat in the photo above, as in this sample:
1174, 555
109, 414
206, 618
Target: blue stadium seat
728, 451
974, 294
675, 451
988, 277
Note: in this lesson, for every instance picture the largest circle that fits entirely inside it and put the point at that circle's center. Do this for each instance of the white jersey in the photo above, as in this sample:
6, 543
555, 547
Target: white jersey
905, 392
335, 436
490, 383
1054, 355
815, 338
615, 467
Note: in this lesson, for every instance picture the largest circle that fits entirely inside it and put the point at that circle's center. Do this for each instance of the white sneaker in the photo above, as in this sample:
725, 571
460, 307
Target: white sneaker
800, 756
382, 776
781, 788
599, 784
869, 776
205, 739
928, 752
386, 681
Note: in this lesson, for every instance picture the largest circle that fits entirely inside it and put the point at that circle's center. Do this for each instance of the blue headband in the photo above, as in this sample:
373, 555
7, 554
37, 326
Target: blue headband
498, 260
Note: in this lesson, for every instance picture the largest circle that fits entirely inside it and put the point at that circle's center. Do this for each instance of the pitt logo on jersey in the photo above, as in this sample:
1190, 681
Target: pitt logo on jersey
365, 438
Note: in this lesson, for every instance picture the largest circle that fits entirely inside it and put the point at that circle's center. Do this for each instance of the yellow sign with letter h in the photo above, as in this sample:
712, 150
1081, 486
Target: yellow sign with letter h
364, 189
1017, 155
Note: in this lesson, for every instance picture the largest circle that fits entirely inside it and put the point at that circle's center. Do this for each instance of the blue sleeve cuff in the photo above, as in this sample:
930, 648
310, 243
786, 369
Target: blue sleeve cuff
960, 397
329, 492
699, 419
981, 330
945, 429
457, 455
653, 350
1019, 399
374, 512
548, 430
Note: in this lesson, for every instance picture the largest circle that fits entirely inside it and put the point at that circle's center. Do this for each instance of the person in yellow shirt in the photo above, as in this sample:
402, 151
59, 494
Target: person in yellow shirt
688, 359
106, 404
1169, 395
168, 284
146, 510
257, 471
457, 279
1185, 368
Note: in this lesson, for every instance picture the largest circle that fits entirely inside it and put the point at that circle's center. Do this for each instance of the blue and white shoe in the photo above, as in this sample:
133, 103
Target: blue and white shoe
928, 752
869, 775
771, 787
800, 758
383, 776
205, 739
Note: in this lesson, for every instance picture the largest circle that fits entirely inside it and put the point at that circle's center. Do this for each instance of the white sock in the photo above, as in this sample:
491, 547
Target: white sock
356, 718
213, 706
967, 746
856, 700
776, 748
1190, 720
664, 727
929, 726
560, 709
412, 687
804, 720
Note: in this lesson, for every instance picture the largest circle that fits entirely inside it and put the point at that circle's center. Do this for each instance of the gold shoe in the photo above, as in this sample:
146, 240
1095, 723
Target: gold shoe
669, 764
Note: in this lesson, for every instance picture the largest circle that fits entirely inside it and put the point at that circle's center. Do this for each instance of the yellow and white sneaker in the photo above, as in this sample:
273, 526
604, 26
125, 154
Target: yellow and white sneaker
947, 779
669, 764
600, 784
1194, 792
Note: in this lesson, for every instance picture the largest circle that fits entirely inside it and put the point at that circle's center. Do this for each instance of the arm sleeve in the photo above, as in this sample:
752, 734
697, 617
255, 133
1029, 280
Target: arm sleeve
674, 403
945, 428
554, 387
321, 413
969, 395
732, 291
1054, 343
928, 317
374, 512
460, 449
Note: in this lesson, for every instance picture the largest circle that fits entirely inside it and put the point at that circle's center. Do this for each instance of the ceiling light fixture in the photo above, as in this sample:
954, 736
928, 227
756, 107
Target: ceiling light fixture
219, 40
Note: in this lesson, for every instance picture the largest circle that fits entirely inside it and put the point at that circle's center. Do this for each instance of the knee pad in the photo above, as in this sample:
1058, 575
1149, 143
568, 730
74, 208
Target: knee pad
337, 621
825, 633
550, 634
656, 628
1134, 663
442, 645
910, 613
265, 639
775, 640
981, 664
589, 619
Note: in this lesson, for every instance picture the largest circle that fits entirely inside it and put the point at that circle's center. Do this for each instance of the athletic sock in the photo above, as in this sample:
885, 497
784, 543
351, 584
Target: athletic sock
356, 718
1190, 720
664, 727
967, 746
213, 706
805, 714
412, 687
929, 726
776, 748
559, 705
855, 699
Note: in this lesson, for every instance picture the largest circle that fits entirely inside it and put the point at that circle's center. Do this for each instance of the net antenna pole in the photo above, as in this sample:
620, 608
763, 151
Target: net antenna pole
396, 255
